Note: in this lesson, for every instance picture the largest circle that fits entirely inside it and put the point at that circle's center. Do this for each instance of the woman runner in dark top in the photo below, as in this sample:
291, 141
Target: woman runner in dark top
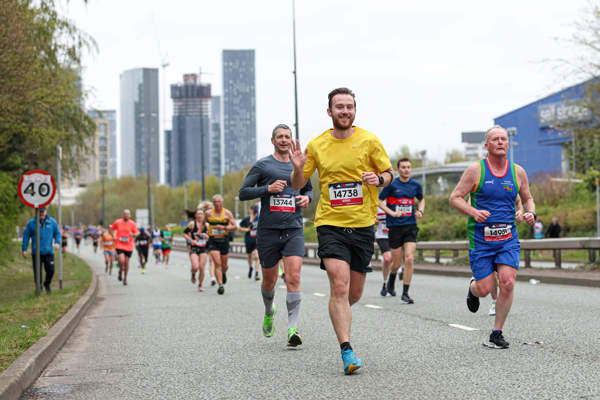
195, 234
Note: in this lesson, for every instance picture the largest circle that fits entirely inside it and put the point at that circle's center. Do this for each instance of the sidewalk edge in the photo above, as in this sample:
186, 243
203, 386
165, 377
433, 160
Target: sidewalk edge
23, 372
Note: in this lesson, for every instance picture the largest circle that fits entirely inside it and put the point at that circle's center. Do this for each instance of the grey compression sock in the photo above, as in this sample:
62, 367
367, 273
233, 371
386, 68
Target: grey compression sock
292, 301
268, 296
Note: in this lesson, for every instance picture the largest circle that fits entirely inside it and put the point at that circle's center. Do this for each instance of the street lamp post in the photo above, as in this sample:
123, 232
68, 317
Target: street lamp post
102, 221
423, 153
58, 181
512, 132
295, 72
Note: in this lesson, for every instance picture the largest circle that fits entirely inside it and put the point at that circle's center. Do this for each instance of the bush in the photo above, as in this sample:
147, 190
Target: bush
10, 209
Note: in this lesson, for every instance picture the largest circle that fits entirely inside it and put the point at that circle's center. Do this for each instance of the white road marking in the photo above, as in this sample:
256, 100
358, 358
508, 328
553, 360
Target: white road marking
463, 327
373, 306
237, 277
319, 294
282, 287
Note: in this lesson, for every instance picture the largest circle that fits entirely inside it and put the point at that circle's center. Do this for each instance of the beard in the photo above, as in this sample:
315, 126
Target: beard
343, 125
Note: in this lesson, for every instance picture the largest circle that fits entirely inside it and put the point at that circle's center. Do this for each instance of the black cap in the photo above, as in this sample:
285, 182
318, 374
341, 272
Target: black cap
42, 209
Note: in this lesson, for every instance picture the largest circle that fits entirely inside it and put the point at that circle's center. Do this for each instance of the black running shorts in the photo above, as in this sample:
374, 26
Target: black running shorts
220, 245
273, 244
197, 250
127, 253
384, 245
352, 245
402, 234
143, 250
250, 246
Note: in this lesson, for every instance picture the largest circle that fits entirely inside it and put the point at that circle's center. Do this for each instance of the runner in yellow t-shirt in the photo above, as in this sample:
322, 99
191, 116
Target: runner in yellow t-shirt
352, 163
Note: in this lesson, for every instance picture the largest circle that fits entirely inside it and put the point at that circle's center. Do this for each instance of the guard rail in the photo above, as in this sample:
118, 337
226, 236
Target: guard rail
591, 244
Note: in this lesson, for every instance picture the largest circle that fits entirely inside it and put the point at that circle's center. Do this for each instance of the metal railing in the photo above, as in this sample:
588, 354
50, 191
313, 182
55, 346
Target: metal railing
592, 244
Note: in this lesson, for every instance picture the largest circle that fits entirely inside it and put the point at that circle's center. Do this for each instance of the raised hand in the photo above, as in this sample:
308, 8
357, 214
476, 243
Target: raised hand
297, 157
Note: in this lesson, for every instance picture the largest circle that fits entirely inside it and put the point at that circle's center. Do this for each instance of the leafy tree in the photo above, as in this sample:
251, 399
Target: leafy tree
40, 97
580, 115
454, 156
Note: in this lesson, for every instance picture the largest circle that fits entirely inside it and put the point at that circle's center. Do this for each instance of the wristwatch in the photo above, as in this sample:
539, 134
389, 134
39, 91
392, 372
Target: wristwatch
380, 180
422, 212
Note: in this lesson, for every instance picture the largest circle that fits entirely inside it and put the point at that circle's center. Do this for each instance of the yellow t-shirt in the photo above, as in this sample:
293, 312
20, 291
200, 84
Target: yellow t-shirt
345, 200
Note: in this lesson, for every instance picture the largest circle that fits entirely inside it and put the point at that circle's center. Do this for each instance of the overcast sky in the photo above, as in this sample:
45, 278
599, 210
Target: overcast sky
422, 71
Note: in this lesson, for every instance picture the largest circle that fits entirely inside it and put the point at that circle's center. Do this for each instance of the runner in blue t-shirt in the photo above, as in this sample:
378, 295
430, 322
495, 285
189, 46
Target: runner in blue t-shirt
398, 202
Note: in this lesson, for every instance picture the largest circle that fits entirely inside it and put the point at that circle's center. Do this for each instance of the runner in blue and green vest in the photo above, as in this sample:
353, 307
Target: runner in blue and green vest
493, 184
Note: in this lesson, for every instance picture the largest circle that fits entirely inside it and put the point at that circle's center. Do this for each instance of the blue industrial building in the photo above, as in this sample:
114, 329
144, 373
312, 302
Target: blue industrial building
536, 145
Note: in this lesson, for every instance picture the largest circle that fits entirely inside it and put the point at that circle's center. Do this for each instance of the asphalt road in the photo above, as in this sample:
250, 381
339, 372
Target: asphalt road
158, 338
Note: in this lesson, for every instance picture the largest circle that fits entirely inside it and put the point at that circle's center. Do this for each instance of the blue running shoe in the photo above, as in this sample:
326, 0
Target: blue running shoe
351, 362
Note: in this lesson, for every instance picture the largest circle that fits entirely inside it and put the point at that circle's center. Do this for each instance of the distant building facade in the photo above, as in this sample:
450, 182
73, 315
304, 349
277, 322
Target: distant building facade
215, 137
139, 151
108, 117
239, 109
536, 145
191, 134
96, 164
474, 143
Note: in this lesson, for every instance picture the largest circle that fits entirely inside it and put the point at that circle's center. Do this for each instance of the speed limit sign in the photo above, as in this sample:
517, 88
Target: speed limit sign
36, 188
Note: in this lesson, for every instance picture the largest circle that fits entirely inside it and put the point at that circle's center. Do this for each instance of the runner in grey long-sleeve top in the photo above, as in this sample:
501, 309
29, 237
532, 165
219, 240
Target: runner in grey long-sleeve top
280, 229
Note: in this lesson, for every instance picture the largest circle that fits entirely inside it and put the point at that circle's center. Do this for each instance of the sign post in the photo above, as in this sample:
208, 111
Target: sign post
36, 189
60, 225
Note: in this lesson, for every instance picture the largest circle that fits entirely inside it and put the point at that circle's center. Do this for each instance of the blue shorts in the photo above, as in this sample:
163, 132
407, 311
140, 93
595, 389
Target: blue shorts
485, 261
156, 246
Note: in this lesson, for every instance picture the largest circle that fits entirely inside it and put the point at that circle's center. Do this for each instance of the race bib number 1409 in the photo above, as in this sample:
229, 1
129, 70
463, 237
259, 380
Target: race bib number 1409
497, 232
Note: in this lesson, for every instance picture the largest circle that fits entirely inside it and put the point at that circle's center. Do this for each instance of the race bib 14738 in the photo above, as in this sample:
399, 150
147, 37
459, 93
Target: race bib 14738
345, 194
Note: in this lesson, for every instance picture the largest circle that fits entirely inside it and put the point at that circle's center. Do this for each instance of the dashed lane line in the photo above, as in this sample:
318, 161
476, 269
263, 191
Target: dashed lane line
463, 327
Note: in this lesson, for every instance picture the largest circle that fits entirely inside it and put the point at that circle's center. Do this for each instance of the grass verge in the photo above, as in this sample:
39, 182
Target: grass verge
25, 317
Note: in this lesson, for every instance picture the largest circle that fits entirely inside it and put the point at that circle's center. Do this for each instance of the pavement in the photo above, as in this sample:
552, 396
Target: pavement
160, 339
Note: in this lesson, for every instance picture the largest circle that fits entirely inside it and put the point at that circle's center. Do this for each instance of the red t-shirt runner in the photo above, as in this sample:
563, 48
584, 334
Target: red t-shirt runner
125, 231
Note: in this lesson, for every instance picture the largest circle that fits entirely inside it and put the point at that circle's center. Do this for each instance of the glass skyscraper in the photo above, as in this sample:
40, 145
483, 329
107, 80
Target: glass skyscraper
191, 134
239, 109
139, 123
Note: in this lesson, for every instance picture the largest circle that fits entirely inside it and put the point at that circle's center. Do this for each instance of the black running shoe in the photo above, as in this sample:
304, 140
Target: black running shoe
497, 341
213, 282
224, 278
221, 289
120, 276
249, 272
472, 300
401, 275
391, 287
406, 299
383, 290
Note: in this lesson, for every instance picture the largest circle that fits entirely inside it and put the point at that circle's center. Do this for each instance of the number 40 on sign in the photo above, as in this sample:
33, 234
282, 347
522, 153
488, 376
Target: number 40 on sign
36, 188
